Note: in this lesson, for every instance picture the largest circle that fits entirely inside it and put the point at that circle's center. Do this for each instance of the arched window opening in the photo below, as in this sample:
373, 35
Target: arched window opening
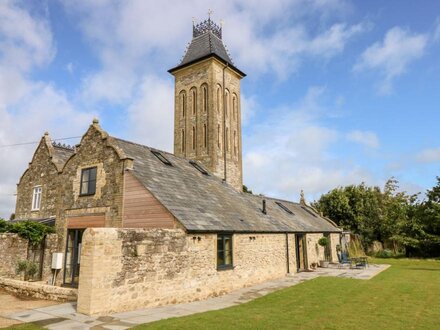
219, 97
235, 143
227, 139
234, 107
205, 136
227, 103
218, 137
194, 138
194, 101
183, 103
205, 98
183, 140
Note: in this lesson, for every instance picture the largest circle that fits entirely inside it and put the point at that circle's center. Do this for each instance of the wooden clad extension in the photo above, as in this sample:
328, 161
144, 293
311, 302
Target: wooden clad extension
141, 209
86, 221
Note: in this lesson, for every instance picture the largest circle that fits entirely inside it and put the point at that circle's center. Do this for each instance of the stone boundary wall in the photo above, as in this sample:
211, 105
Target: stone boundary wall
38, 290
13, 248
128, 269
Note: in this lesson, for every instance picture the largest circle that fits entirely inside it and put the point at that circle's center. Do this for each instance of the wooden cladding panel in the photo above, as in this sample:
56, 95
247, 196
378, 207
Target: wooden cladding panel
141, 208
86, 221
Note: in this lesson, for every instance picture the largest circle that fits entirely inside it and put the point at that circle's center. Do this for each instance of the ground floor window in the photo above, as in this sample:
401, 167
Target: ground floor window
224, 251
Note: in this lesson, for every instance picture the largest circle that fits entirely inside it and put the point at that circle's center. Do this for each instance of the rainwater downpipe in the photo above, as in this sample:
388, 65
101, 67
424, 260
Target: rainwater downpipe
287, 253
224, 123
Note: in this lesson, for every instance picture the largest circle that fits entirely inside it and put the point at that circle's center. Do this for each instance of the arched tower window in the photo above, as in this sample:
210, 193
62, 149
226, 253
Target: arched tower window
205, 136
234, 106
227, 103
227, 139
205, 98
235, 143
219, 98
194, 138
194, 100
218, 137
182, 97
183, 140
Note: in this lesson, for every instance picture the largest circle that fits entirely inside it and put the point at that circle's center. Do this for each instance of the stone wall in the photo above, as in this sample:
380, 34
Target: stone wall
335, 239
38, 290
209, 73
315, 252
13, 248
41, 172
127, 269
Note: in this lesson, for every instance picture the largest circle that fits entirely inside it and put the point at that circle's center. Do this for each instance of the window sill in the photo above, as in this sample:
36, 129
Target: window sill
85, 195
225, 267
35, 210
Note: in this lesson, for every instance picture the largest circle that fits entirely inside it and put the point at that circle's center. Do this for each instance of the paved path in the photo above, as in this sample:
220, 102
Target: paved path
64, 316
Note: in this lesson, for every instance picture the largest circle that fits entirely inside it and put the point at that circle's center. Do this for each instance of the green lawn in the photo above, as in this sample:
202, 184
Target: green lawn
406, 296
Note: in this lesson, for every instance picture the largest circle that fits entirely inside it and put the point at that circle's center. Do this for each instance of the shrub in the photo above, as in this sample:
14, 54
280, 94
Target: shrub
4, 226
323, 241
21, 266
31, 230
28, 268
387, 254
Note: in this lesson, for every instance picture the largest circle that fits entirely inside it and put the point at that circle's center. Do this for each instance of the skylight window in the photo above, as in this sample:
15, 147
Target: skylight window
198, 167
161, 157
284, 207
308, 211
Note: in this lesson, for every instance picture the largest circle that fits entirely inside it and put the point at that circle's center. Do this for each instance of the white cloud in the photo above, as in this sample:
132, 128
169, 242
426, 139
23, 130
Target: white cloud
393, 55
27, 107
124, 39
293, 152
366, 138
151, 115
436, 34
431, 155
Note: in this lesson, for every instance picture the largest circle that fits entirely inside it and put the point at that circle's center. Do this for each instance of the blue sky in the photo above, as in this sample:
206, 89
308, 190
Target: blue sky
337, 92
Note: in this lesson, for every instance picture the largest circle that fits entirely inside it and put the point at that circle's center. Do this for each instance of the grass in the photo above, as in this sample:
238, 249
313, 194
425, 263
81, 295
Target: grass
406, 296
25, 326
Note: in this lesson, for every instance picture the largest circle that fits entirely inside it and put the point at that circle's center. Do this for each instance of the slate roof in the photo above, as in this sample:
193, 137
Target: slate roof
206, 43
203, 45
61, 155
204, 203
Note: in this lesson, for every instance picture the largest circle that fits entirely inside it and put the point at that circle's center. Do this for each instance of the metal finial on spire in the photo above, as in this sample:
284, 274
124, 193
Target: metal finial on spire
210, 12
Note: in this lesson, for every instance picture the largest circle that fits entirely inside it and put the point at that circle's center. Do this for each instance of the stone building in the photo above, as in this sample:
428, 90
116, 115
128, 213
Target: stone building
143, 227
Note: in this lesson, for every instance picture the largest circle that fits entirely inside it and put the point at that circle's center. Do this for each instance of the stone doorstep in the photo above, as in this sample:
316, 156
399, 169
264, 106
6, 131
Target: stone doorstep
38, 290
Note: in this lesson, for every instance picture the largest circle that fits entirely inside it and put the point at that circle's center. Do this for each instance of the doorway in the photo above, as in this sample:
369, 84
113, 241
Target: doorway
301, 255
72, 257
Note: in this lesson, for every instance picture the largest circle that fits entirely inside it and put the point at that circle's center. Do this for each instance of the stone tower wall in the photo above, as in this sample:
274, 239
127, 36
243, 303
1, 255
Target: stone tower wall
199, 131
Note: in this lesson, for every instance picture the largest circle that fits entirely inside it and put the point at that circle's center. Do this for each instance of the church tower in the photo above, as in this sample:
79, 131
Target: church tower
207, 116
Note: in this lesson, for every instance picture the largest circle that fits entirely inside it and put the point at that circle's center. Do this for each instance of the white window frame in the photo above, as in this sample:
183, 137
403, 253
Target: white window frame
36, 198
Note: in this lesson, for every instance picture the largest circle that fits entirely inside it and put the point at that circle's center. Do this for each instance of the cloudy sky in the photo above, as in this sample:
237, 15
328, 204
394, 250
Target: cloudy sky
337, 92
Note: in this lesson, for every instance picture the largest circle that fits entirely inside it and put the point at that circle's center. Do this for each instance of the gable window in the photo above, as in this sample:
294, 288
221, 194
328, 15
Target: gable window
36, 198
224, 251
88, 181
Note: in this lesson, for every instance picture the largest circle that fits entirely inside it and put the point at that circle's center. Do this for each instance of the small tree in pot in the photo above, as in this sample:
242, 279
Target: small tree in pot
324, 242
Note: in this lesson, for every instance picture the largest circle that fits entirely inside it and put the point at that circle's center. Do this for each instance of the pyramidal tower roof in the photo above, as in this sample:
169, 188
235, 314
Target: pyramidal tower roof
206, 42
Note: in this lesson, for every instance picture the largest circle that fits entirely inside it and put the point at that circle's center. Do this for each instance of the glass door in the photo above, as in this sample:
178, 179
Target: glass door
72, 257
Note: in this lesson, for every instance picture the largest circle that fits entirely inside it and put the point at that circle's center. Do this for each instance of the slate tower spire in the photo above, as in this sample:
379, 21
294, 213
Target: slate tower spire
207, 115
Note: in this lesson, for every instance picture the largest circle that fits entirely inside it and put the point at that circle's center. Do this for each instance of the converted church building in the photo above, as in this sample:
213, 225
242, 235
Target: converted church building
142, 227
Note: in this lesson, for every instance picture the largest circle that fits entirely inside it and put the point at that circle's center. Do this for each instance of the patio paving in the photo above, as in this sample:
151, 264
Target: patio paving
64, 316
